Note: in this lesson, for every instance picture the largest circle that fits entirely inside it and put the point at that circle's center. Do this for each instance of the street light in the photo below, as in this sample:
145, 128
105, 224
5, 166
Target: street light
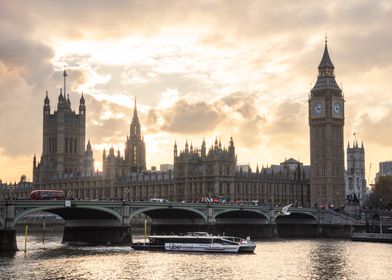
126, 192
69, 195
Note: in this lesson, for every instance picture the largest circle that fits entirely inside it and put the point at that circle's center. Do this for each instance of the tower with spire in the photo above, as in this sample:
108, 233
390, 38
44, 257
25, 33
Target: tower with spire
326, 122
134, 159
355, 174
135, 151
63, 141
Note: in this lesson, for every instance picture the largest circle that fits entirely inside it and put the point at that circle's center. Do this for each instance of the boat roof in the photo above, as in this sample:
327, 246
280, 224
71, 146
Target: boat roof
194, 236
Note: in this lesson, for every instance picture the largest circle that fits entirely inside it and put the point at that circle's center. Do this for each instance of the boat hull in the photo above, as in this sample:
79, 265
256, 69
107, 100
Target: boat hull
147, 247
214, 248
247, 249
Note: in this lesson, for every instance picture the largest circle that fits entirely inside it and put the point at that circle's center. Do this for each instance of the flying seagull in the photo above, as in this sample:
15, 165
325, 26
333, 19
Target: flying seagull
285, 210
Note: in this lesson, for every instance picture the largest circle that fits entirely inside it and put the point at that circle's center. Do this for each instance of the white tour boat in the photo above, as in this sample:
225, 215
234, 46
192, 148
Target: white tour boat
197, 242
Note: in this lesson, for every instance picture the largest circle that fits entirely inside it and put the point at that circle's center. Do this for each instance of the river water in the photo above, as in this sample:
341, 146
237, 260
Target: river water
273, 259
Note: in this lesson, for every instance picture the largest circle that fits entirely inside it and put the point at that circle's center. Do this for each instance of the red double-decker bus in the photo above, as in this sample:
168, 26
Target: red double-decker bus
47, 195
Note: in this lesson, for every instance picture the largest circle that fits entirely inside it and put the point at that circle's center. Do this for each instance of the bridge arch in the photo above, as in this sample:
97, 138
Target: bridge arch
167, 209
304, 217
244, 213
70, 212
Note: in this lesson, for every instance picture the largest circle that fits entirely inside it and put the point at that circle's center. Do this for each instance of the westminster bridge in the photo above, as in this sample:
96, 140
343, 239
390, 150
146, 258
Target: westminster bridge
99, 222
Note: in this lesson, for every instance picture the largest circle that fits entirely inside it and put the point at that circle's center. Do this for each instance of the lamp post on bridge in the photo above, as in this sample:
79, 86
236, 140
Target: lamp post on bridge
69, 195
126, 194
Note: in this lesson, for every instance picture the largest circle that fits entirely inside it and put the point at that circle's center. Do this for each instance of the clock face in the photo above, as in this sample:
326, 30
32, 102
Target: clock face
337, 107
318, 108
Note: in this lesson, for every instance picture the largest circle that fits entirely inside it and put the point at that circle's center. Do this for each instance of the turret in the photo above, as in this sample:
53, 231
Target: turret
111, 151
68, 103
61, 102
82, 106
203, 148
231, 147
175, 149
88, 160
46, 105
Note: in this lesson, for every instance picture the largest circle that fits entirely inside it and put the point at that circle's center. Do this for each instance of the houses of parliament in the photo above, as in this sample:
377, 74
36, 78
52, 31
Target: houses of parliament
67, 163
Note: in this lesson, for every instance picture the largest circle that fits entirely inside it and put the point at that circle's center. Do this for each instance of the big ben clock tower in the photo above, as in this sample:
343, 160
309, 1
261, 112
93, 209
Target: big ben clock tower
326, 121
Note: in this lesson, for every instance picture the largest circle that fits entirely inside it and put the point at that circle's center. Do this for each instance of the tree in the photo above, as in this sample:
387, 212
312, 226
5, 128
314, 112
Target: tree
381, 196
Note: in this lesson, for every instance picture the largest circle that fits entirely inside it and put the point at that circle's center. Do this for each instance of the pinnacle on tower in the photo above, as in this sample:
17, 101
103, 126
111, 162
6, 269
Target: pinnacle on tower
46, 100
135, 111
88, 145
82, 99
326, 60
68, 101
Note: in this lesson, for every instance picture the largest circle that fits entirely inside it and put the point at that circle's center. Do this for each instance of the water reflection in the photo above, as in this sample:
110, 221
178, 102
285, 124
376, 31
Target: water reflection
328, 260
273, 259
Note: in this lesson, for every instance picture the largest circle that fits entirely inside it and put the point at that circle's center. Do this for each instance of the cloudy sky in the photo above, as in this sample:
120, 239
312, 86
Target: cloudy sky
198, 69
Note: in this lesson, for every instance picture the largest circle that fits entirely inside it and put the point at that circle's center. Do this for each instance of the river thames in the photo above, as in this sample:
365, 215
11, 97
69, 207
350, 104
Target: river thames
273, 259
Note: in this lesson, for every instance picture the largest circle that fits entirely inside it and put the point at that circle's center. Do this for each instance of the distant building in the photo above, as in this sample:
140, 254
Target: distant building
198, 173
385, 168
243, 168
166, 167
21, 190
355, 188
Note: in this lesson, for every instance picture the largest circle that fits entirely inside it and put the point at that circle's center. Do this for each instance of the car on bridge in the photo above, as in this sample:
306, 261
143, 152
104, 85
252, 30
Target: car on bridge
159, 200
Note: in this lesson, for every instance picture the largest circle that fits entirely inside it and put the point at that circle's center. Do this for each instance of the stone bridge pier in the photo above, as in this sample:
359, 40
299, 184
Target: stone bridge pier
7, 228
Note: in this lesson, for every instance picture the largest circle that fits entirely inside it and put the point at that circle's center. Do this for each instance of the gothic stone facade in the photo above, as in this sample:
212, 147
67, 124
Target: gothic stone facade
63, 142
197, 173
355, 176
326, 121
115, 166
